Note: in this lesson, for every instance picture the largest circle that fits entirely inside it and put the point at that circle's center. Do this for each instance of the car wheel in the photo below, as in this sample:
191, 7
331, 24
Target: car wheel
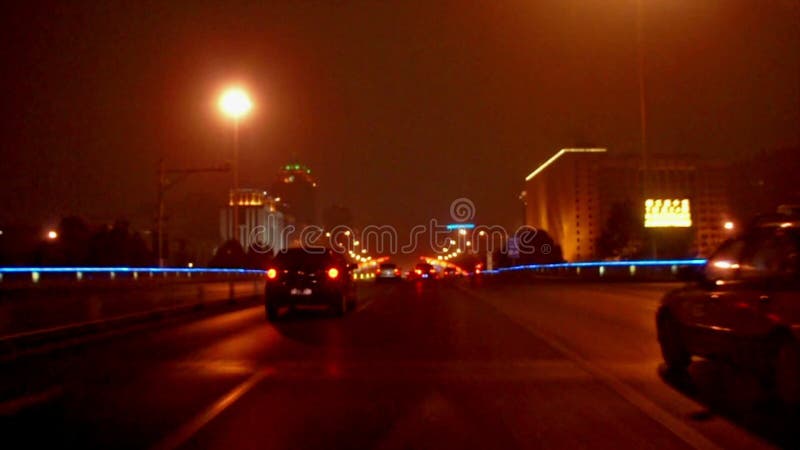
676, 357
787, 373
271, 310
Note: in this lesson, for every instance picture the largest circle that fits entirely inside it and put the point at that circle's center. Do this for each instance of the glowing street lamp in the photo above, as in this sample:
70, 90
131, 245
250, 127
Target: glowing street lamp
235, 103
52, 235
728, 225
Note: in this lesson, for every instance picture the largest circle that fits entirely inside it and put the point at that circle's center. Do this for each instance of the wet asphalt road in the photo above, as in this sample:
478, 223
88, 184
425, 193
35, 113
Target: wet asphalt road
415, 365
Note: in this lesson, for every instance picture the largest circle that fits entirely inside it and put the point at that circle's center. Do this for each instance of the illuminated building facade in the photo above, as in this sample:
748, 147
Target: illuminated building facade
260, 222
296, 188
561, 197
682, 202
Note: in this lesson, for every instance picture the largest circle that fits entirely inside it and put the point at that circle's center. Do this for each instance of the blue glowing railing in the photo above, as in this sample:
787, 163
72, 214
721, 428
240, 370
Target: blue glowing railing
635, 263
34, 274
197, 270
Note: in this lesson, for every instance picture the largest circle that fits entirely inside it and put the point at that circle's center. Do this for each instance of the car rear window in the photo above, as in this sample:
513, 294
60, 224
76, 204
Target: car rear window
293, 258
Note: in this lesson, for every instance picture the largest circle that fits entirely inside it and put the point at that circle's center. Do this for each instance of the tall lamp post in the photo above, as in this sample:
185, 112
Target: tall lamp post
640, 63
235, 103
640, 53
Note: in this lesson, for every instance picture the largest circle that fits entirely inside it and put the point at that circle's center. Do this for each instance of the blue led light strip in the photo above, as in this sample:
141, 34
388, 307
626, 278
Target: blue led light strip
196, 270
636, 263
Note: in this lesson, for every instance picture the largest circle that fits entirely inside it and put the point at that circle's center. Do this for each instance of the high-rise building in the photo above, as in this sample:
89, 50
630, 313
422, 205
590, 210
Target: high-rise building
680, 202
261, 224
296, 188
561, 197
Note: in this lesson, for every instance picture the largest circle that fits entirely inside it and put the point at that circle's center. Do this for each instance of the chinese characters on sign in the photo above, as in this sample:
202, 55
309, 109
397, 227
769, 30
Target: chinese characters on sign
661, 213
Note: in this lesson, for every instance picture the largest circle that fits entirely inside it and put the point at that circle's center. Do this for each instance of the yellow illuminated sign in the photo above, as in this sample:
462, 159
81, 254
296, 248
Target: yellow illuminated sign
660, 213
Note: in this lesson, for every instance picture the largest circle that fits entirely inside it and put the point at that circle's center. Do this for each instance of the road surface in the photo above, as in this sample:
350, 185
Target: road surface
417, 365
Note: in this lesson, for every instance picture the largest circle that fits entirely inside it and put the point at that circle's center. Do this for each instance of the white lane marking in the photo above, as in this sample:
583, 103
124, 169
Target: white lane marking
185, 432
14, 406
678, 427
365, 305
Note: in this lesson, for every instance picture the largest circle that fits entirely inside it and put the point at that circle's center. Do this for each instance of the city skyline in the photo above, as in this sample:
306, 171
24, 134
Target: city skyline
501, 85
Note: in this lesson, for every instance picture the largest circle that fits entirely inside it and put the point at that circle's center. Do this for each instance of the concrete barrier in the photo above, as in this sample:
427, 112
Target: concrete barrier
60, 303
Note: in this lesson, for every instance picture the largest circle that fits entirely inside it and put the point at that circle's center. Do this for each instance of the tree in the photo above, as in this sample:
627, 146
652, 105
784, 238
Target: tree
229, 254
117, 246
622, 235
73, 239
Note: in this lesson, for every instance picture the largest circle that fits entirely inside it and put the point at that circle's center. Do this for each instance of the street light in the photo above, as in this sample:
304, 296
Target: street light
728, 225
52, 235
235, 103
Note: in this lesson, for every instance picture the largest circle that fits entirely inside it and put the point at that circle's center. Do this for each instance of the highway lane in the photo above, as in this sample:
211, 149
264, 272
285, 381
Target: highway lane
417, 365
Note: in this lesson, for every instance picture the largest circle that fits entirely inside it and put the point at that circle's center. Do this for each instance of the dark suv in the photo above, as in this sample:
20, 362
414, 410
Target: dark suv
745, 308
305, 277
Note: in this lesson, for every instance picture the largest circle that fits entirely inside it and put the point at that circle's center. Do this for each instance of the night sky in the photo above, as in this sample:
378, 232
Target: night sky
398, 108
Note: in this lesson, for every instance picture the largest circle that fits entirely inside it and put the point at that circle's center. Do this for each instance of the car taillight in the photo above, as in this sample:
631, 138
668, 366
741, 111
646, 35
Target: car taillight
397, 271
272, 274
418, 271
333, 273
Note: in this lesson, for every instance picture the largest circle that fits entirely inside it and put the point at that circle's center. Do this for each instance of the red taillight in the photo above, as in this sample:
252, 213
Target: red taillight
333, 273
418, 271
272, 274
397, 271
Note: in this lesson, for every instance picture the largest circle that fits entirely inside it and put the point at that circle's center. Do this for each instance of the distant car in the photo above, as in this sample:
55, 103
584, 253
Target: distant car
300, 277
450, 272
423, 271
744, 308
388, 272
